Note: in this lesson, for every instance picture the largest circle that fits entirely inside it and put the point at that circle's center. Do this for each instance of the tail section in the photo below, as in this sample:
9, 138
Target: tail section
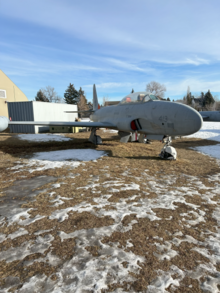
95, 99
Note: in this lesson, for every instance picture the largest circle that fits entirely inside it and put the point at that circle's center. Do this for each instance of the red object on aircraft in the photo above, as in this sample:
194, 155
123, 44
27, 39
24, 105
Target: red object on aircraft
128, 99
10, 119
133, 125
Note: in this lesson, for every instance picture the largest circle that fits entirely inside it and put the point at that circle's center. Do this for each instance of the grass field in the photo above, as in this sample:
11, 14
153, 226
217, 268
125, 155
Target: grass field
125, 222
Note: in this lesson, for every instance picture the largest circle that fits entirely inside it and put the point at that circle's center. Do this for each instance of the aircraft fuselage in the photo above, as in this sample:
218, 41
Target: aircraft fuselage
153, 117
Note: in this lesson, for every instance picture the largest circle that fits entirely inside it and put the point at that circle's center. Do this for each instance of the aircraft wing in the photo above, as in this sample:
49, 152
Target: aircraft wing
72, 124
210, 116
204, 117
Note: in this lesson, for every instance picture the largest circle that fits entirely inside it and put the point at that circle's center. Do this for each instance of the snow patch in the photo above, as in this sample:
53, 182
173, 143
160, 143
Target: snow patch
58, 159
43, 137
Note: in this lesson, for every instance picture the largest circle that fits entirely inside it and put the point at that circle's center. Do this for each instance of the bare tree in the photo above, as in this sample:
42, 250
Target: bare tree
104, 100
51, 95
82, 105
210, 107
156, 88
216, 98
217, 106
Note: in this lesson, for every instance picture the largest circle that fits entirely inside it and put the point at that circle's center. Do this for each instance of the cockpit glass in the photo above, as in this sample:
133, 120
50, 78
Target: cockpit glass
153, 97
138, 97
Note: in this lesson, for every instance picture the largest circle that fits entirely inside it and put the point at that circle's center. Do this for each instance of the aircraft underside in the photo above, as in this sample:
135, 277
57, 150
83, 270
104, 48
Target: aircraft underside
168, 152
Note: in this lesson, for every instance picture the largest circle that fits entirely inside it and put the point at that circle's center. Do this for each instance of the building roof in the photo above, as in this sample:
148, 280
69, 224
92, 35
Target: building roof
9, 92
111, 103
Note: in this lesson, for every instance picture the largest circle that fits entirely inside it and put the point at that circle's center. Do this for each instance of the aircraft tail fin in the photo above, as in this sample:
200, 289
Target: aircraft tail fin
95, 99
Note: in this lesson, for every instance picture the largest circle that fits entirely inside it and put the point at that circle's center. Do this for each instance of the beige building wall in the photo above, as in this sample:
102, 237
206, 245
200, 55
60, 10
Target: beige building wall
9, 92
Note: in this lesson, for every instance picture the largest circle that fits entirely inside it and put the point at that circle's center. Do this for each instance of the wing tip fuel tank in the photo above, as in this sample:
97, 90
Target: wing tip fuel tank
3, 123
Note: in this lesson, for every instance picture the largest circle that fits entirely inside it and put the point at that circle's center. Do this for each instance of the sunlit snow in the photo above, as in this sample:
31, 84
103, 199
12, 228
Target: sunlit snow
58, 159
43, 137
210, 130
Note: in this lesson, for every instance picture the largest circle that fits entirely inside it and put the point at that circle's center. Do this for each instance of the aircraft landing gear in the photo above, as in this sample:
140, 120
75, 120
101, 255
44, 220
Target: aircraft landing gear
96, 139
168, 152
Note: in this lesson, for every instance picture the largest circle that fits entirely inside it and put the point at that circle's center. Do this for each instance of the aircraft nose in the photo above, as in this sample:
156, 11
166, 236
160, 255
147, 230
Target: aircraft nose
192, 120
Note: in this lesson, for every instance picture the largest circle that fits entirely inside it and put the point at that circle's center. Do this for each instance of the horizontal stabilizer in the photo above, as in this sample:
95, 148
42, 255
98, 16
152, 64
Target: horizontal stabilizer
85, 111
205, 117
210, 116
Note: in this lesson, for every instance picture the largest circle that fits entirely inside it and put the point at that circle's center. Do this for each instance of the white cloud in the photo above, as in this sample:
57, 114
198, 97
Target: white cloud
117, 44
195, 85
111, 85
127, 65
183, 61
146, 28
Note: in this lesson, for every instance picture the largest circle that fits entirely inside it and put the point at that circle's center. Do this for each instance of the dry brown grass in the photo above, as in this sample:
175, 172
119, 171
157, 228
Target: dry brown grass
134, 157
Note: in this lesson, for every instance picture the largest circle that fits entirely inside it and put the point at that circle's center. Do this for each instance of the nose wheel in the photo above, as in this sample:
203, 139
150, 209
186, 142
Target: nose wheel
168, 152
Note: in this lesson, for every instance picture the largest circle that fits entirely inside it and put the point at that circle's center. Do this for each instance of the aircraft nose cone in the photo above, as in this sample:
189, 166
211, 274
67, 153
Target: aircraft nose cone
193, 120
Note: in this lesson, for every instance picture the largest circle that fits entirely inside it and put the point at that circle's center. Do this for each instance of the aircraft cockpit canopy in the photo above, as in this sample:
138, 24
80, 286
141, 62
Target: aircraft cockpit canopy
139, 97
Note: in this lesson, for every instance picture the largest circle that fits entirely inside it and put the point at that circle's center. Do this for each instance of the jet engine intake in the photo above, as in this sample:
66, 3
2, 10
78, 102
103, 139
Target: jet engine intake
128, 125
3, 123
135, 124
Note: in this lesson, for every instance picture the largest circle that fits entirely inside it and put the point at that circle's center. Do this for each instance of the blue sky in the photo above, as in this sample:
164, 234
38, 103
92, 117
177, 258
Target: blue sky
116, 44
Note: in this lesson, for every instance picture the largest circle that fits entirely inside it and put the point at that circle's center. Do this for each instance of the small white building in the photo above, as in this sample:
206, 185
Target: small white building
39, 111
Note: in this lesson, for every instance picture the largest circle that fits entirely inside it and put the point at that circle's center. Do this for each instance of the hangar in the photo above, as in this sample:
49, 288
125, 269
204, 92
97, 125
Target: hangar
39, 111
15, 105
9, 92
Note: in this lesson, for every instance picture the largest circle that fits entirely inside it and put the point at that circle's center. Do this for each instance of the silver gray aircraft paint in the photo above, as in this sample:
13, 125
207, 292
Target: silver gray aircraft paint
210, 116
154, 118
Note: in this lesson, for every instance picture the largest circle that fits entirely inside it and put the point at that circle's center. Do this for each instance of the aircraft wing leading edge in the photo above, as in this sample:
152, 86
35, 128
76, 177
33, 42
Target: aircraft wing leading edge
73, 124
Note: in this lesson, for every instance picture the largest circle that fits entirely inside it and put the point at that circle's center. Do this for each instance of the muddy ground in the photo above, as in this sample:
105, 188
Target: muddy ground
173, 243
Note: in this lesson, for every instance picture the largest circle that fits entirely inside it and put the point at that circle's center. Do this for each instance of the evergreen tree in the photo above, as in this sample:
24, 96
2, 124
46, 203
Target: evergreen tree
168, 99
132, 91
90, 105
209, 98
188, 97
71, 95
40, 97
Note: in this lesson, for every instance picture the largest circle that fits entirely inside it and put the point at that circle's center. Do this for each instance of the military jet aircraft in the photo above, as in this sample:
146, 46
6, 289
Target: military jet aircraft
140, 112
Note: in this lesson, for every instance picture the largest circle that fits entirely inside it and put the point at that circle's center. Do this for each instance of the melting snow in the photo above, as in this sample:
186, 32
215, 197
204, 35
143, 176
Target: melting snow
76, 274
85, 272
209, 130
58, 159
43, 137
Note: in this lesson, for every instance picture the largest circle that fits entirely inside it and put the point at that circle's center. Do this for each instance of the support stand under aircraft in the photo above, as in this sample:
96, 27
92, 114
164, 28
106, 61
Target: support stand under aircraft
139, 112
94, 138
